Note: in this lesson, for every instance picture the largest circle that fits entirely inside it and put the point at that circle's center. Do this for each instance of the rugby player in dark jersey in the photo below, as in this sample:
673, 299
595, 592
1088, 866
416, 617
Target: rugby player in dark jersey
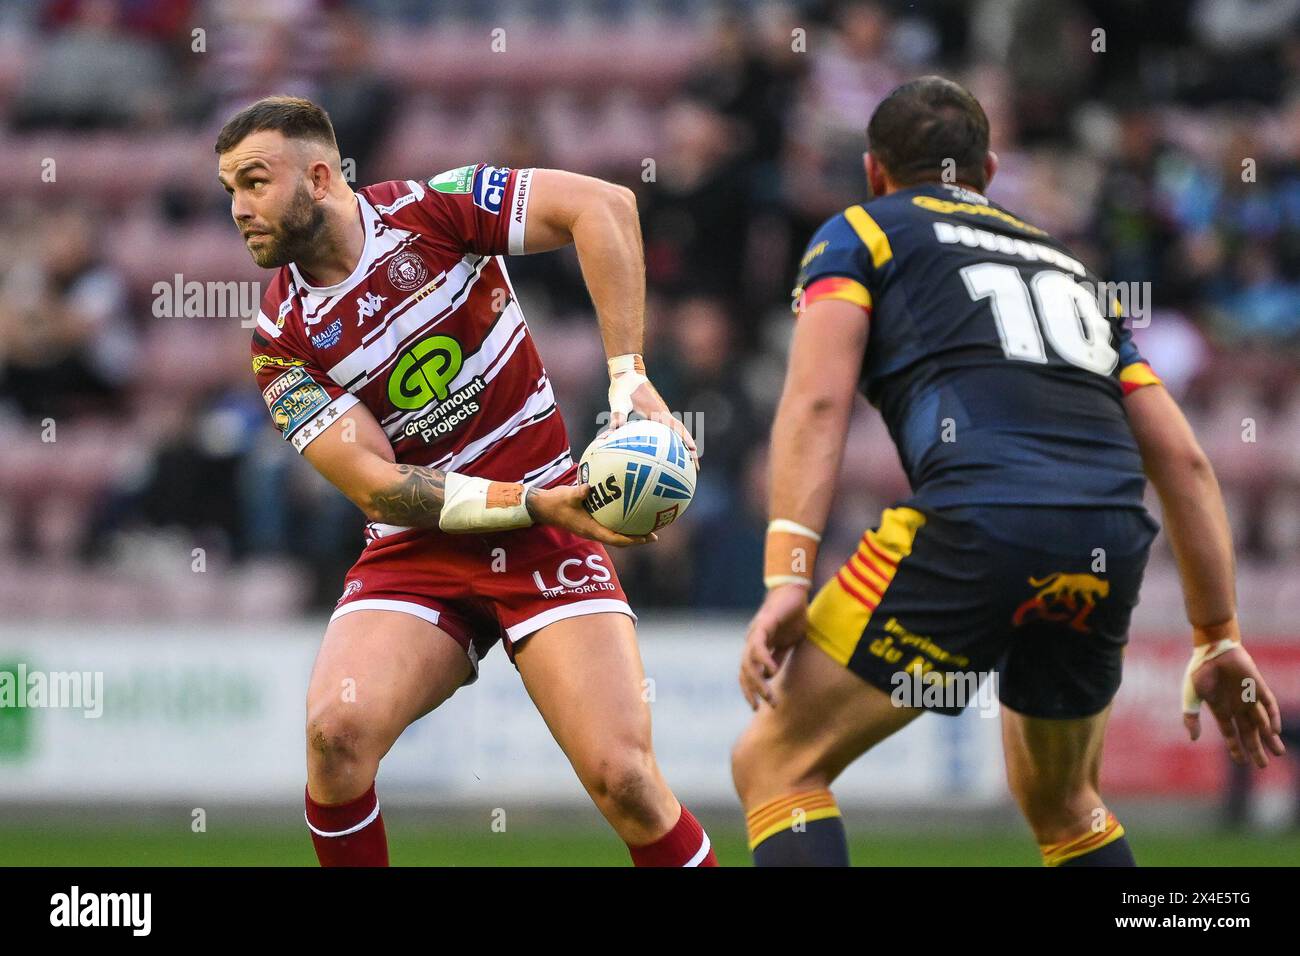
1028, 425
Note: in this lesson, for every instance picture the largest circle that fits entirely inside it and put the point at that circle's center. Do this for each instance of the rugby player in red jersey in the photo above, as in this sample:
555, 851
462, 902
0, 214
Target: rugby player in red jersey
393, 355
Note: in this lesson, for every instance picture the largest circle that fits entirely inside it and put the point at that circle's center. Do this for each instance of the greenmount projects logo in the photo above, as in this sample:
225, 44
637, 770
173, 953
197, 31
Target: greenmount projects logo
422, 377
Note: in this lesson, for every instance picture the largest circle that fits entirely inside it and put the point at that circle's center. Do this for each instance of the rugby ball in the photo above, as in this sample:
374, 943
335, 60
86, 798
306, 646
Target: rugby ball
642, 477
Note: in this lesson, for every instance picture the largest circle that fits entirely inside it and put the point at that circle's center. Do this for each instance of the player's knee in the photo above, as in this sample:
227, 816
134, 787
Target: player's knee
763, 765
1058, 810
337, 736
627, 784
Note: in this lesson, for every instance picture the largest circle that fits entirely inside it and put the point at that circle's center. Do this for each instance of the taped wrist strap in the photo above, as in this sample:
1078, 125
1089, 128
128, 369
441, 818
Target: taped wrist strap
1200, 654
789, 554
631, 362
477, 504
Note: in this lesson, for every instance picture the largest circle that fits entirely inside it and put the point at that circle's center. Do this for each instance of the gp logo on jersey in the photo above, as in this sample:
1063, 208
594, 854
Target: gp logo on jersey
1063, 598
368, 306
490, 188
424, 372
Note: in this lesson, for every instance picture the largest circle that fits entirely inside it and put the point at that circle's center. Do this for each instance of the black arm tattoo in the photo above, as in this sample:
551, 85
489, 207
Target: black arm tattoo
414, 500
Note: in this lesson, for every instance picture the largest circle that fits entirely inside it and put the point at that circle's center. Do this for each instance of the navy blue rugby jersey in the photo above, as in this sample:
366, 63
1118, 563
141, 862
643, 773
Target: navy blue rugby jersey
999, 369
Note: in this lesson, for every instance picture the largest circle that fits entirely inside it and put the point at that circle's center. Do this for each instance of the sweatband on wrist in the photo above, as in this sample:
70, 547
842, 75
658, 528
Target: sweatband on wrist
789, 554
631, 362
477, 504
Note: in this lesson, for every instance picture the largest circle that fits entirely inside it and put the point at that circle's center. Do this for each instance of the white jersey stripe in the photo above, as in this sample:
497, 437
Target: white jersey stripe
368, 361
382, 241
548, 473
539, 406
266, 325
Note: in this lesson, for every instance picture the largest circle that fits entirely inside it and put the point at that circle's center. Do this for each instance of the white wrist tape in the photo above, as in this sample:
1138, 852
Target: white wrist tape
794, 527
1201, 654
476, 504
626, 375
776, 580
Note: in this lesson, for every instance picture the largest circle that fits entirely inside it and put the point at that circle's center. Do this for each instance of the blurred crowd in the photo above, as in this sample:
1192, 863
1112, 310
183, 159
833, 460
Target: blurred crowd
1159, 138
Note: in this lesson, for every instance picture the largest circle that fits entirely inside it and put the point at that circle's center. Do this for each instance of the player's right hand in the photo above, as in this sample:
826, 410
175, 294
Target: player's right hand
562, 507
779, 625
1243, 706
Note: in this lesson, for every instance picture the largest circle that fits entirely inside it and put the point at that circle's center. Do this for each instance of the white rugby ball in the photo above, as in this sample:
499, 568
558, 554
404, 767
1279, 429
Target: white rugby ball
642, 477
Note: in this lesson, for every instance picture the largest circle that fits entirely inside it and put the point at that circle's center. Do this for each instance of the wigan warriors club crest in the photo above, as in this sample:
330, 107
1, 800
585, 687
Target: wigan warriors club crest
407, 272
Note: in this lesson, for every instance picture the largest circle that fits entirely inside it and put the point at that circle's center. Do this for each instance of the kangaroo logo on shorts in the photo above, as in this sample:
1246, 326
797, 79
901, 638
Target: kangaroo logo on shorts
424, 371
1063, 597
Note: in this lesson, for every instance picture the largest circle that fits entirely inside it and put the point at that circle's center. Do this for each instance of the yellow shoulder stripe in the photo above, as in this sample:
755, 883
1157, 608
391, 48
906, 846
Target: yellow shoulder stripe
872, 236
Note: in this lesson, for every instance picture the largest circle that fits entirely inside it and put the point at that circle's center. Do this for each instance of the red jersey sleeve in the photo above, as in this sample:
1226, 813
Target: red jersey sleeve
481, 208
303, 401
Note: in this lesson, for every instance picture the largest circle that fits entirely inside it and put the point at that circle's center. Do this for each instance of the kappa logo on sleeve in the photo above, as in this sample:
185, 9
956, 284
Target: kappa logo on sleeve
813, 253
490, 188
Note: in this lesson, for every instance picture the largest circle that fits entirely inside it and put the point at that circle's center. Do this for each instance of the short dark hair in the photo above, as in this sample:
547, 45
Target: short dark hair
293, 116
924, 123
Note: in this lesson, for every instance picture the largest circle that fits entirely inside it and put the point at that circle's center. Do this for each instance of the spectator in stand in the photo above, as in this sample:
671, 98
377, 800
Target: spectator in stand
695, 213
66, 346
93, 73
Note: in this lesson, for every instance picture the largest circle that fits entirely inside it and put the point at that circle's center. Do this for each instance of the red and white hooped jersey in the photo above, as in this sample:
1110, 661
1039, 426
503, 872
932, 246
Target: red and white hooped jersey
425, 332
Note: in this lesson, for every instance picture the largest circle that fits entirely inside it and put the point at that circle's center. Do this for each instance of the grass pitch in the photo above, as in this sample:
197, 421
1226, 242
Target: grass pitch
548, 844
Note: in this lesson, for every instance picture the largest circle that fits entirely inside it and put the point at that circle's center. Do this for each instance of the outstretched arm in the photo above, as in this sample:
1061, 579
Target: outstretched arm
355, 456
812, 420
1221, 673
601, 221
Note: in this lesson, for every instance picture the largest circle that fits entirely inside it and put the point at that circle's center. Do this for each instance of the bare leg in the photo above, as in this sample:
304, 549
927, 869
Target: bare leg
585, 676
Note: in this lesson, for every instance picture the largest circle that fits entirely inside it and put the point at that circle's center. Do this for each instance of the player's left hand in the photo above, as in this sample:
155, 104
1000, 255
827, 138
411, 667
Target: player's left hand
1244, 708
779, 625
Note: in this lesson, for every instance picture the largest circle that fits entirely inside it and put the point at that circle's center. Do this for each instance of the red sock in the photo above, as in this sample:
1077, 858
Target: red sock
686, 844
348, 834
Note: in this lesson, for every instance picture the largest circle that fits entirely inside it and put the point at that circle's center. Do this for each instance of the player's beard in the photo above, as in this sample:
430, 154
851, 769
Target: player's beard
297, 235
